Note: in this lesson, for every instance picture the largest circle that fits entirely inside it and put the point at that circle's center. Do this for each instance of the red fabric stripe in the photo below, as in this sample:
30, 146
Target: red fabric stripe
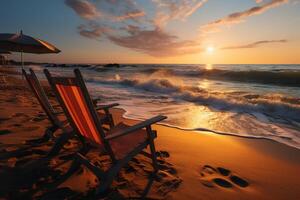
78, 111
87, 114
70, 107
77, 107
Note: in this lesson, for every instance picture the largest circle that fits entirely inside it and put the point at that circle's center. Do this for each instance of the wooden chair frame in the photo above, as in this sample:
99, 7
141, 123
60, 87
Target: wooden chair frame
107, 176
56, 124
42, 98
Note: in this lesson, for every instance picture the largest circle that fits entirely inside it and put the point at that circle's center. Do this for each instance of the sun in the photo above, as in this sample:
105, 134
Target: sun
210, 49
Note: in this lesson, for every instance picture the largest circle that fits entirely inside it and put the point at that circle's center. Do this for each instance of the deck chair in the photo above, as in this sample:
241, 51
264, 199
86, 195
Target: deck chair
121, 142
53, 116
42, 98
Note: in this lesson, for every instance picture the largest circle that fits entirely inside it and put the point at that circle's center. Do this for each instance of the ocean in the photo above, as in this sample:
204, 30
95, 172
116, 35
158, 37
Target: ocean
256, 101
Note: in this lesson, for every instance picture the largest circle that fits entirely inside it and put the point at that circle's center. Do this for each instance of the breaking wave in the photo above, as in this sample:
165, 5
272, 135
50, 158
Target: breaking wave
284, 78
281, 77
275, 105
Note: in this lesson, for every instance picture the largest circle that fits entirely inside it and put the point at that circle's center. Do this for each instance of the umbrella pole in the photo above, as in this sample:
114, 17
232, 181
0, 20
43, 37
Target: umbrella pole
22, 63
22, 59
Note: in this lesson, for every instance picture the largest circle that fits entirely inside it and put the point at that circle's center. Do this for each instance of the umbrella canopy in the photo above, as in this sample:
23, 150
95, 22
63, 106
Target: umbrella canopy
26, 44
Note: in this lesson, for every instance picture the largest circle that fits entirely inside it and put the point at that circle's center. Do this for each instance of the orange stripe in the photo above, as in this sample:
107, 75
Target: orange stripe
96, 134
75, 110
80, 114
67, 103
86, 114
86, 130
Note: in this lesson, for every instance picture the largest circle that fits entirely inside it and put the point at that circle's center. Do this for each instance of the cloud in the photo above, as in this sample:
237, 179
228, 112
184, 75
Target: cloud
121, 10
155, 42
93, 30
83, 8
175, 10
254, 44
126, 24
238, 17
147, 38
130, 15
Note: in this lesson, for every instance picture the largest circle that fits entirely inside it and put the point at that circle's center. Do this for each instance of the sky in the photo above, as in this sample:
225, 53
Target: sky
159, 31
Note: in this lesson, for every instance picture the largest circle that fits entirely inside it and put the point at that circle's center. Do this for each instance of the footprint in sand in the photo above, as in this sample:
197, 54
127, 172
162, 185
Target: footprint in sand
3, 119
19, 114
17, 125
162, 154
37, 119
11, 100
220, 176
30, 128
167, 167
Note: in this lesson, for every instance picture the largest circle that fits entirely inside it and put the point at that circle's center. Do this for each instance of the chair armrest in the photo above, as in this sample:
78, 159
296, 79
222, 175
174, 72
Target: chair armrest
95, 101
136, 127
105, 107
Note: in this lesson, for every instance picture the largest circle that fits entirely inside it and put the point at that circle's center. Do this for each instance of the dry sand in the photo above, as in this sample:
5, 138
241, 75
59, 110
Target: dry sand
193, 165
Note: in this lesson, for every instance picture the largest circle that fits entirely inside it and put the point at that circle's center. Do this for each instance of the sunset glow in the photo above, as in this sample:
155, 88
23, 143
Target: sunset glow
210, 49
161, 31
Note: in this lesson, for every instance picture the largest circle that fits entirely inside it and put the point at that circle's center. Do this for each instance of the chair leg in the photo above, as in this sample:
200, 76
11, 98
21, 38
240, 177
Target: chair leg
76, 163
152, 148
49, 132
83, 160
111, 121
109, 175
59, 143
104, 182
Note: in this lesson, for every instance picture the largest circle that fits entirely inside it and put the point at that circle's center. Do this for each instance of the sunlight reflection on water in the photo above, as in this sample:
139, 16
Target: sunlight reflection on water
208, 66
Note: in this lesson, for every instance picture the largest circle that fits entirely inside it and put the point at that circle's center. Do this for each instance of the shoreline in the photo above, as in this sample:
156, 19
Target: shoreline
268, 167
210, 131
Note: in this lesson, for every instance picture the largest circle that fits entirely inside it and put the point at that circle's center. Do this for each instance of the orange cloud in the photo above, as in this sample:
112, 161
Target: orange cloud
93, 30
155, 42
130, 15
83, 8
254, 44
238, 17
175, 10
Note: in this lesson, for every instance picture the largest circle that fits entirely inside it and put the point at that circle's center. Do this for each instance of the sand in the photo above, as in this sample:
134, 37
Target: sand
193, 165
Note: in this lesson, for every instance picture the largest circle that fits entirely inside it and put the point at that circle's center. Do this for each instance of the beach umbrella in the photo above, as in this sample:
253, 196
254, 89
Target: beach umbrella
25, 44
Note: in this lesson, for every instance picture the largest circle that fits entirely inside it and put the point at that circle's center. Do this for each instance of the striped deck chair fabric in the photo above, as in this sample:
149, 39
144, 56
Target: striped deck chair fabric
78, 110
